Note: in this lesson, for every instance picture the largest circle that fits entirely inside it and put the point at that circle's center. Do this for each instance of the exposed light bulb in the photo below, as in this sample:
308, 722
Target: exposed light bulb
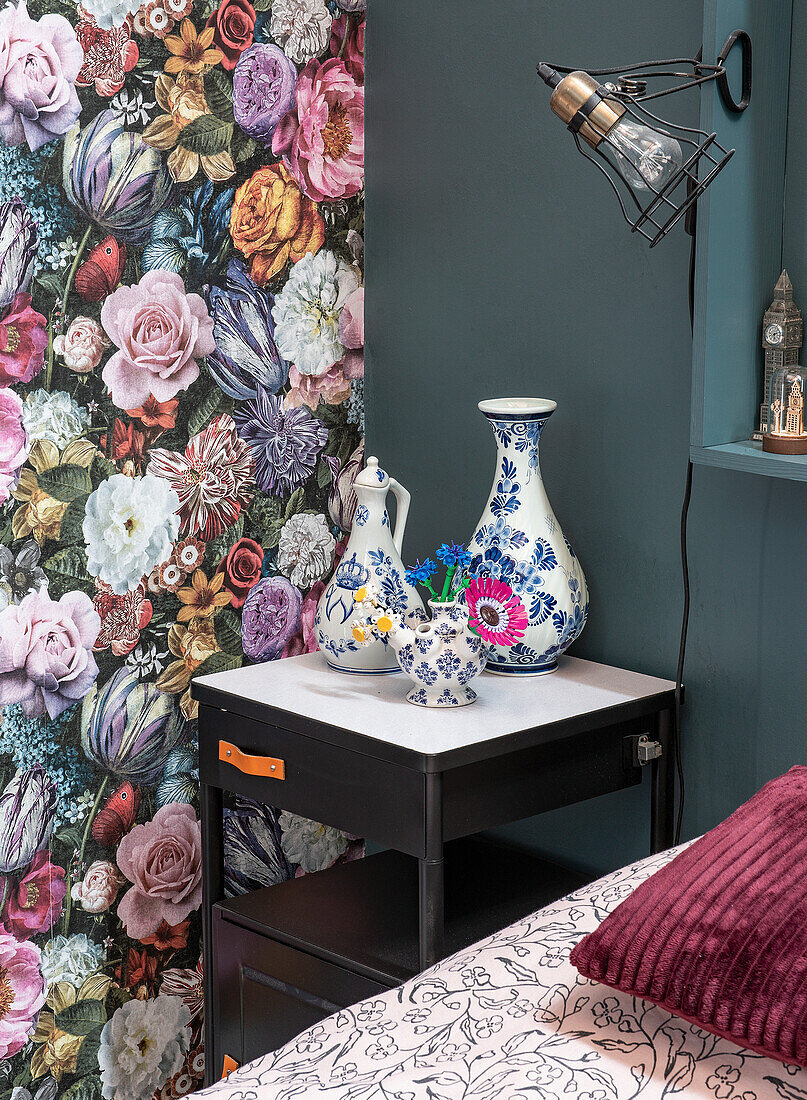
647, 159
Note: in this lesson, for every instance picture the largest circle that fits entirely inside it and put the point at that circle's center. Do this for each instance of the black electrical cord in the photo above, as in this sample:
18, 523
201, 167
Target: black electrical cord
691, 227
682, 649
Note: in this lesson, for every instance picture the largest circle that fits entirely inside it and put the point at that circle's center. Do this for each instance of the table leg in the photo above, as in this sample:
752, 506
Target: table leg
212, 805
431, 887
662, 790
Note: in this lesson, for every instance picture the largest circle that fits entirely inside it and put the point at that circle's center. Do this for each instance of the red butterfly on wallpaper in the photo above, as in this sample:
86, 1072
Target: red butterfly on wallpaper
101, 272
117, 816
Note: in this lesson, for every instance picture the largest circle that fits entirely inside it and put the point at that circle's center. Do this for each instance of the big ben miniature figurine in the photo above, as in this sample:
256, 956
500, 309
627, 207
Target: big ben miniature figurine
782, 335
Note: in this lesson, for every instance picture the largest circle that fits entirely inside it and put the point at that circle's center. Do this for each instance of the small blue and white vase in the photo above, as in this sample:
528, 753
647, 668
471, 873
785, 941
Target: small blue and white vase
441, 656
518, 540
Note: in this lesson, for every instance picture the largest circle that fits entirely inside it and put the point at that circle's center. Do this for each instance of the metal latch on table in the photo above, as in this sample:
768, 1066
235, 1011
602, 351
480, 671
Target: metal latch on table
640, 750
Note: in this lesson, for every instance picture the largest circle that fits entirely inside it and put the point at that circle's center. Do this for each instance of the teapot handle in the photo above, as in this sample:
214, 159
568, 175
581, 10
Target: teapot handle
402, 499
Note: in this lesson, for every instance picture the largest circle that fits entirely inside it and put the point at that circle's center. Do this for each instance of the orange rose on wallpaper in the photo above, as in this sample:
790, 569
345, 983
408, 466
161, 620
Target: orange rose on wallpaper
272, 222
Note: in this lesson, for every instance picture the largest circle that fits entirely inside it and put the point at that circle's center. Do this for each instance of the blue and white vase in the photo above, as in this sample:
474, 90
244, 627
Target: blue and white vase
518, 540
372, 557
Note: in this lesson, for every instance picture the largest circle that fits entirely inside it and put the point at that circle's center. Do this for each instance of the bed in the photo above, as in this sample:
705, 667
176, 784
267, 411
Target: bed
511, 1018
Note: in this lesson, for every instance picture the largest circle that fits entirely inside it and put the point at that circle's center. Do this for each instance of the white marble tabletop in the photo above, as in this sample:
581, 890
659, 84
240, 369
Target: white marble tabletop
375, 706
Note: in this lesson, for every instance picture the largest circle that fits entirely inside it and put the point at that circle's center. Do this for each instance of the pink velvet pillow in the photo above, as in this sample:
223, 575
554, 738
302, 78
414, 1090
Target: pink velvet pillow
719, 935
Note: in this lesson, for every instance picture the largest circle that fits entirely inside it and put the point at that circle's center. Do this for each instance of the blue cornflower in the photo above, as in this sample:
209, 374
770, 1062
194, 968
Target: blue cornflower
453, 553
421, 572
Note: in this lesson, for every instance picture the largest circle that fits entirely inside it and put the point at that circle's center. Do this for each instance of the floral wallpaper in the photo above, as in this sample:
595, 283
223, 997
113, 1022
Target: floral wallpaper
181, 419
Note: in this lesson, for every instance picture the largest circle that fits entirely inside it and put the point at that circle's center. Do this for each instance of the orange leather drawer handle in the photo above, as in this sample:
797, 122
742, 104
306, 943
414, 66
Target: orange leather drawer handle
269, 766
228, 1066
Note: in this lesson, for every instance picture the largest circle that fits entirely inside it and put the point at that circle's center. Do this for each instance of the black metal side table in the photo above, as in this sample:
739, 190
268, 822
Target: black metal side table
349, 751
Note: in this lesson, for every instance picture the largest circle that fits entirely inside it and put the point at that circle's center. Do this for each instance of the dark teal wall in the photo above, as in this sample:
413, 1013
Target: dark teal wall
498, 265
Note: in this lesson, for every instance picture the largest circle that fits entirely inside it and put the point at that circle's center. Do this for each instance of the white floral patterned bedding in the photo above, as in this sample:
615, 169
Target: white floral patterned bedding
511, 1019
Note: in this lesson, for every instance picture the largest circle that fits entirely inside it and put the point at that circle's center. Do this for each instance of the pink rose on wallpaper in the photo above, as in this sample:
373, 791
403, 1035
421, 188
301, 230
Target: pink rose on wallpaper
39, 62
46, 661
82, 345
13, 442
163, 861
309, 389
160, 332
322, 138
351, 334
99, 888
24, 995
23, 339
34, 904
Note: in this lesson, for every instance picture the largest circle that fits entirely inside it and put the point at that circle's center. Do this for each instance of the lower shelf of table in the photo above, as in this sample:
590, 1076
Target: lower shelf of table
290, 955
364, 914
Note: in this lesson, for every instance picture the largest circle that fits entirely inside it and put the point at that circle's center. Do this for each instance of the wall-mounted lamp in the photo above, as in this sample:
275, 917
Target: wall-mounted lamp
659, 167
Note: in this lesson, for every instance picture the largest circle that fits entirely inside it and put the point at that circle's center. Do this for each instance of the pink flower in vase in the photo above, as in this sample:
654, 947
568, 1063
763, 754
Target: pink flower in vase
495, 613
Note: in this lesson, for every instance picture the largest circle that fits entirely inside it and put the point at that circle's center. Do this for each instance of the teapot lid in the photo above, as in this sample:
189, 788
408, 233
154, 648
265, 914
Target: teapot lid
372, 476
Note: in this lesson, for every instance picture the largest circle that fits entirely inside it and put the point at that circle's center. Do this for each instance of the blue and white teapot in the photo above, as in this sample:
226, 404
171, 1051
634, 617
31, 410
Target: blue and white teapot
373, 556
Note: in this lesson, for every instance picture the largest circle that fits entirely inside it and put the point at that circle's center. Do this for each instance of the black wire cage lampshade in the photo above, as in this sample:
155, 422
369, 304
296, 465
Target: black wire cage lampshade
657, 169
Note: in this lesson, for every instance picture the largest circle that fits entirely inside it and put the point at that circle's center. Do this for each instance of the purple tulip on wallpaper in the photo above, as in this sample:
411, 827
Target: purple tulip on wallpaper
27, 813
285, 443
271, 618
129, 728
264, 83
246, 357
18, 241
114, 178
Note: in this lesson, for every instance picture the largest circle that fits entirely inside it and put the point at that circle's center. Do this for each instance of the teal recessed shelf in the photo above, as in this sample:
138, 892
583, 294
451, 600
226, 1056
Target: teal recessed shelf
740, 243
749, 457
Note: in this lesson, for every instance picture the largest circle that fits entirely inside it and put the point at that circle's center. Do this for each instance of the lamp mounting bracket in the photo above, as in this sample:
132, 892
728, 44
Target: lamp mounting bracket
687, 72
736, 106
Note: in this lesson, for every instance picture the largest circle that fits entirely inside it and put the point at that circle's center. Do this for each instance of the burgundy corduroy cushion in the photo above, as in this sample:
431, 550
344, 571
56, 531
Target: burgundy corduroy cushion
719, 935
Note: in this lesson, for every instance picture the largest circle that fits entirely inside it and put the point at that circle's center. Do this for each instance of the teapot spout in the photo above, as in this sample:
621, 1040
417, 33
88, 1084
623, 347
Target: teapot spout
400, 635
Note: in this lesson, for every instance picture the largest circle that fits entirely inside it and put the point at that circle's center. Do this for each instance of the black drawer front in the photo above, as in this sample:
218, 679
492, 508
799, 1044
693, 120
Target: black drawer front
533, 781
265, 993
336, 786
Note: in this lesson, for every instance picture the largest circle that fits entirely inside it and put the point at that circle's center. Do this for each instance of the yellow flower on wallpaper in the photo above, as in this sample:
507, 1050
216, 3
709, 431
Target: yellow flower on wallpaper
203, 597
57, 1050
42, 514
183, 101
192, 645
191, 52
272, 222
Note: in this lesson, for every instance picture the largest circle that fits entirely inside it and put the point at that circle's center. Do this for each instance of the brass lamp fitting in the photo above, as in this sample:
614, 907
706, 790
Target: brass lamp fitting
578, 100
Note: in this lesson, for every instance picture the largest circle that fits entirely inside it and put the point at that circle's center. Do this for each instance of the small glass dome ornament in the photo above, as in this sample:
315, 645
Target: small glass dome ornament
787, 432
